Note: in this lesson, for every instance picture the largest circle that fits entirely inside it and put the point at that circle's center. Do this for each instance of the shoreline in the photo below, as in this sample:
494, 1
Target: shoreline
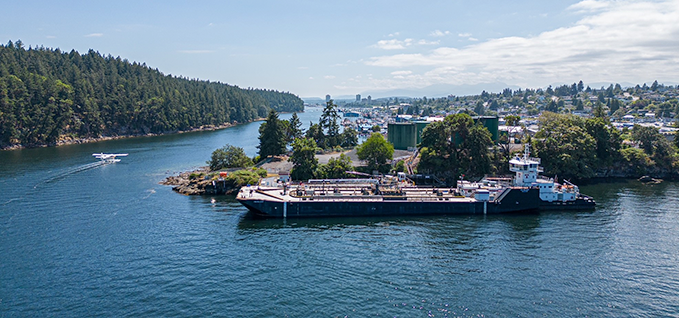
64, 141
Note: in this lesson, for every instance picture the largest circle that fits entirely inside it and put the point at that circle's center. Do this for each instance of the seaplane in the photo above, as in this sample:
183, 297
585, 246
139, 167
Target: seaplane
109, 157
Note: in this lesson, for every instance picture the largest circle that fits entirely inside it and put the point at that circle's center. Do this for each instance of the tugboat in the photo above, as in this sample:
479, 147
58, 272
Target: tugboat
553, 196
394, 196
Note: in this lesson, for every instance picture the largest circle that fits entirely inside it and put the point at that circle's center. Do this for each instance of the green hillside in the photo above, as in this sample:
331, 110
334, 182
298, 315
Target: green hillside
47, 95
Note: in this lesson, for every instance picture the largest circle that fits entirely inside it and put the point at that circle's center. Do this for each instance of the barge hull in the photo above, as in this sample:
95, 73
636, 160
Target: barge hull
516, 200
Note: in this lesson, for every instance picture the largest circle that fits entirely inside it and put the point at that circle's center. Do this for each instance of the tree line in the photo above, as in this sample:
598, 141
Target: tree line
277, 136
47, 95
582, 148
569, 146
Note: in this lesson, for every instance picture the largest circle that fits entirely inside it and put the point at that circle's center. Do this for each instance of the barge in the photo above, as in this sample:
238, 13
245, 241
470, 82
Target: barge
527, 191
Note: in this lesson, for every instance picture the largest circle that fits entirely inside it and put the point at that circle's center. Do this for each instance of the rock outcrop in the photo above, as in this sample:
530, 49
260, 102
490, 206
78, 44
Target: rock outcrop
195, 183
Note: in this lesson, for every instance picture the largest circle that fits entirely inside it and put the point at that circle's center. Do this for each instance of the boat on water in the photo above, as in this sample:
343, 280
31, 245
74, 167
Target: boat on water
109, 157
527, 191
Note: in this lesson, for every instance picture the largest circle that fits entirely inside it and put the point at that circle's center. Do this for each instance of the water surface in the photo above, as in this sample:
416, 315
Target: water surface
78, 239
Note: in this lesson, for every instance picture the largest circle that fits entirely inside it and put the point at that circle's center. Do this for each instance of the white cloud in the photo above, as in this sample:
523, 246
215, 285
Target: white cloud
401, 73
329, 76
472, 39
311, 77
94, 35
394, 34
631, 41
425, 42
590, 5
439, 33
50, 36
393, 44
464, 35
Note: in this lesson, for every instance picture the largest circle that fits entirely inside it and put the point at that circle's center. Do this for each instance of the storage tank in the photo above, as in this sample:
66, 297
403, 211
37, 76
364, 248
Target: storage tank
491, 123
402, 135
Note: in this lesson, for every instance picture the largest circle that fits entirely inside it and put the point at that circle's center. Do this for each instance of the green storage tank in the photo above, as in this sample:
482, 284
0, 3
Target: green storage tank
420, 127
490, 122
402, 135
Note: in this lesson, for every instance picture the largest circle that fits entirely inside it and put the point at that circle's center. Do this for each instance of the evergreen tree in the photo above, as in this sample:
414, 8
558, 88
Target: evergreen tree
599, 110
479, 109
48, 96
329, 124
271, 136
315, 133
349, 138
552, 106
303, 159
294, 128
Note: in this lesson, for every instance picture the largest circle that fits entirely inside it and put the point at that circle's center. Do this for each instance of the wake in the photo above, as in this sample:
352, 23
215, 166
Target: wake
72, 171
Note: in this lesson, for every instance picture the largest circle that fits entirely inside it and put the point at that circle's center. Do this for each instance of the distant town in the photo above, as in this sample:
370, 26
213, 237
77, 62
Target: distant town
655, 105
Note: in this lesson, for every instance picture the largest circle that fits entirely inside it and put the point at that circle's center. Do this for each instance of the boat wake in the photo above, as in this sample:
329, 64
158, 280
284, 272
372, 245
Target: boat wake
72, 171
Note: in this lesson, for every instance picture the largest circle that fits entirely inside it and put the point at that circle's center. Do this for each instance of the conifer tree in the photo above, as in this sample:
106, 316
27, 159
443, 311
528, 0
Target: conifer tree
271, 137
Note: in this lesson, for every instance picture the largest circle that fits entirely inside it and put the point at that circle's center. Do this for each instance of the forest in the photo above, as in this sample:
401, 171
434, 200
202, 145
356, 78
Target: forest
48, 96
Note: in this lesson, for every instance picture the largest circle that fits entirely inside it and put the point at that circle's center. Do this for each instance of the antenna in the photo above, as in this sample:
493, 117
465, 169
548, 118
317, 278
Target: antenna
526, 151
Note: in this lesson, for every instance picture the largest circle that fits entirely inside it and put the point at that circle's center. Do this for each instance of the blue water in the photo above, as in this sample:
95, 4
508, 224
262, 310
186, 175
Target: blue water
78, 239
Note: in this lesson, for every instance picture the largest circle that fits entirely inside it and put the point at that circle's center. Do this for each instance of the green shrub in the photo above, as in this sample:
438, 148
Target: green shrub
242, 178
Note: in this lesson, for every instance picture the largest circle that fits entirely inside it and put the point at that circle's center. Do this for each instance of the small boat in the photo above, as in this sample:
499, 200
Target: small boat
109, 157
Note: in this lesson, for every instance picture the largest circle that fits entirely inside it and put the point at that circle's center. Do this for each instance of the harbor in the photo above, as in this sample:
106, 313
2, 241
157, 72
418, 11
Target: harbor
113, 234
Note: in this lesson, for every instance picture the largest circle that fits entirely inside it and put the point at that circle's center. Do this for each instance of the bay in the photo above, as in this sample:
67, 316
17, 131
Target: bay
82, 239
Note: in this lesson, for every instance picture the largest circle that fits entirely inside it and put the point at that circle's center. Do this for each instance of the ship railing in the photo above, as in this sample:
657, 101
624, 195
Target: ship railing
341, 181
341, 198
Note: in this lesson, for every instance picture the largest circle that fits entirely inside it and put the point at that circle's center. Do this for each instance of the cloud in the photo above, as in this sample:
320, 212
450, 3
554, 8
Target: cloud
329, 76
394, 34
631, 41
393, 44
196, 51
425, 42
464, 35
401, 73
590, 5
50, 36
94, 35
439, 33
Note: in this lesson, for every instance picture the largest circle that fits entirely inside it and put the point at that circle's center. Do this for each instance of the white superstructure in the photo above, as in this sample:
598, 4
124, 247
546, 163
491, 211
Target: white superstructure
527, 174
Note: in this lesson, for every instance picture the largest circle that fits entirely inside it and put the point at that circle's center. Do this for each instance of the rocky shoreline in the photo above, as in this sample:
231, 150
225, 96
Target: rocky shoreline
194, 183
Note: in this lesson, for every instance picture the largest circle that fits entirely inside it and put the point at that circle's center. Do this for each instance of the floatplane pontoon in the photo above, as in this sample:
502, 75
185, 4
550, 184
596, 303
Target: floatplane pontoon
109, 157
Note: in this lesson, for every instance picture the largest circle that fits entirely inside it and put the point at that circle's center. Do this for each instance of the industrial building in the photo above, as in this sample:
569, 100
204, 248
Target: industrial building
404, 135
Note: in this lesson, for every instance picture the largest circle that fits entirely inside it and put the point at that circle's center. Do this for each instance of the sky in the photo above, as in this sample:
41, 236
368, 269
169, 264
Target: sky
342, 48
